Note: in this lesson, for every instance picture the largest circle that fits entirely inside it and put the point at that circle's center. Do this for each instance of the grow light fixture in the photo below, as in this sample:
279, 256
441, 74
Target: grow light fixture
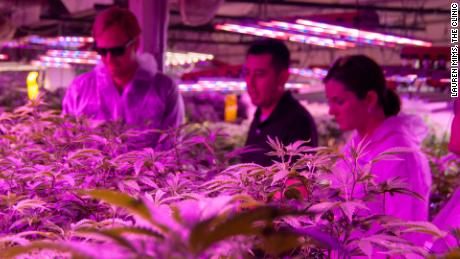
91, 57
40, 63
210, 85
60, 41
15, 43
75, 39
361, 36
172, 58
261, 31
408, 79
69, 60
65, 42
72, 54
177, 58
226, 86
317, 73
321, 34
445, 80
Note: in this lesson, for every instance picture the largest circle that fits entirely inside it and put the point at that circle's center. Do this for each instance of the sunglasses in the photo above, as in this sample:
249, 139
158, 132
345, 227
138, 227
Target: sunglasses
114, 51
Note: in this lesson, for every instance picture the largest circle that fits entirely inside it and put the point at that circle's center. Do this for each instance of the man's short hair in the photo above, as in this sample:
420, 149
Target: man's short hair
116, 16
277, 49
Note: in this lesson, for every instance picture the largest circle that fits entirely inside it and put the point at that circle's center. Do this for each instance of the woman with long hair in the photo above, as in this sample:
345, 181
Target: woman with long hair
360, 100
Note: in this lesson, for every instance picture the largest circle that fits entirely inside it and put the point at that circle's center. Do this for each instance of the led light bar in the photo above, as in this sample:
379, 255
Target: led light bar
91, 57
75, 39
281, 35
69, 60
322, 34
445, 80
403, 79
16, 43
40, 63
317, 73
176, 58
60, 41
55, 42
225, 86
72, 54
351, 34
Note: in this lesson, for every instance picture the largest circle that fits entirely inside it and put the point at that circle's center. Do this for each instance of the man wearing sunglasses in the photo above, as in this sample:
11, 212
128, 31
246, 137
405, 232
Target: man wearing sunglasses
125, 86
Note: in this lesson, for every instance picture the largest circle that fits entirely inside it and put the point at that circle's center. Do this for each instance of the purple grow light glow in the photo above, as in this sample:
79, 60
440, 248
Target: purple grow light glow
362, 36
72, 54
85, 61
317, 73
40, 63
295, 37
321, 34
225, 86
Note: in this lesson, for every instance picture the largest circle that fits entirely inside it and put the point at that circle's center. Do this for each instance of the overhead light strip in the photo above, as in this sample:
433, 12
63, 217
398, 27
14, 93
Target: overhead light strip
362, 35
321, 34
226, 86
261, 31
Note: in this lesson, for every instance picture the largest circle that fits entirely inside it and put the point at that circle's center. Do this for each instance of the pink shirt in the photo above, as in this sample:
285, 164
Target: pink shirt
412, 167
150, 101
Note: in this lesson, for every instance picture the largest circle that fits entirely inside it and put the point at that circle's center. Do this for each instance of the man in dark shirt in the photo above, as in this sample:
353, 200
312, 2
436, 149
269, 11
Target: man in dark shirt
278, 114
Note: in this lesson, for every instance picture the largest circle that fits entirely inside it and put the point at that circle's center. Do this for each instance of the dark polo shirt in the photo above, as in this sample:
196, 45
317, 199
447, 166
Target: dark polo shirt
289, 122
